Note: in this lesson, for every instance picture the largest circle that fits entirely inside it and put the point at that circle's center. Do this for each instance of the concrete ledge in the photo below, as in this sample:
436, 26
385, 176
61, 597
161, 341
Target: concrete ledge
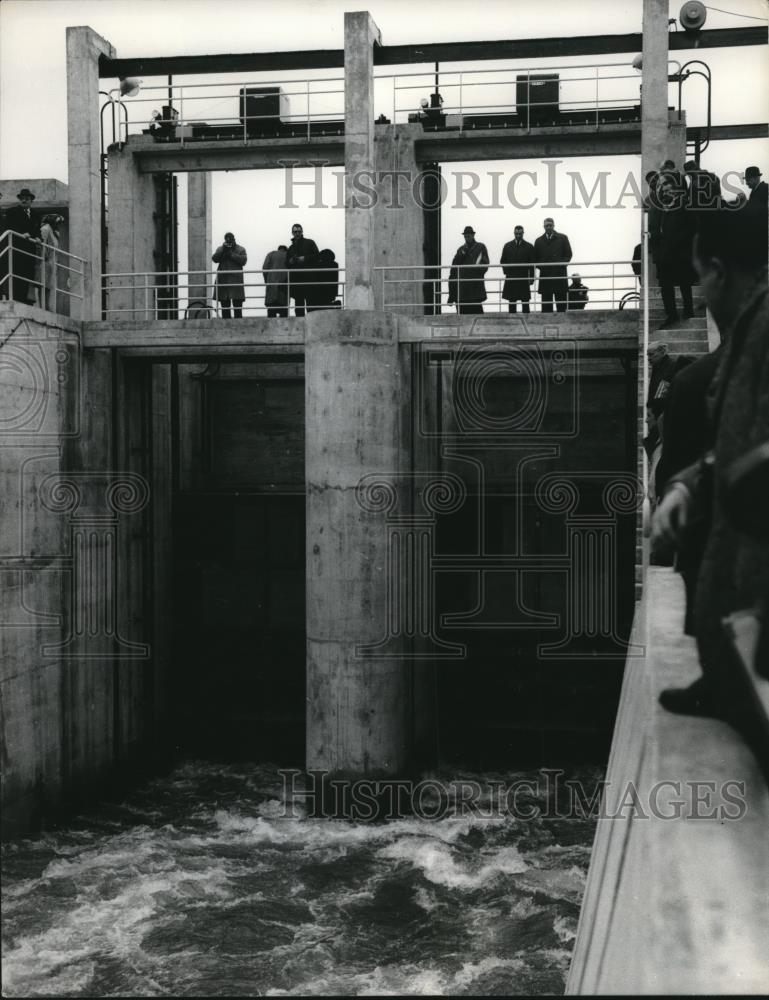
18, 310
675, 905
603, 328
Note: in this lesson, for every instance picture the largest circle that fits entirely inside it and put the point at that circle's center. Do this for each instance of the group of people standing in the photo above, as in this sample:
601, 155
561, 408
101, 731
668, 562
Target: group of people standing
300, 272
674, 200
29, 269
550, 254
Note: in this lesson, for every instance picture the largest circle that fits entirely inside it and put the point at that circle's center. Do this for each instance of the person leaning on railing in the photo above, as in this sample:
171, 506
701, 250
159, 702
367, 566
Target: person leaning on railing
326, 286
231, 259
730, 254
276, 282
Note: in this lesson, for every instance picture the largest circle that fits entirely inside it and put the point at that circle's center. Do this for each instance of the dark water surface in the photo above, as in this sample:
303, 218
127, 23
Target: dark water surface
198, 885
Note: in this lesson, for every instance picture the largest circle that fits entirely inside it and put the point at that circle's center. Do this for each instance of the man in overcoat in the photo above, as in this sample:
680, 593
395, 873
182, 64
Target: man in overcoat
466, 285
552, 251
276, 282
517, 262
302, 262
731, 258
21, 260
231, 258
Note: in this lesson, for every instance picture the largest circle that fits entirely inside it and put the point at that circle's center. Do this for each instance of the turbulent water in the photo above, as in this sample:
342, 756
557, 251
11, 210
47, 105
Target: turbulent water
198, 885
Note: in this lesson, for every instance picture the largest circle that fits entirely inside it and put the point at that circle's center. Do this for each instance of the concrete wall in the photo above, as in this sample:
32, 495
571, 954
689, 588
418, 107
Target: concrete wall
38, 367
77, 672
132, 233
398, 218
675, 901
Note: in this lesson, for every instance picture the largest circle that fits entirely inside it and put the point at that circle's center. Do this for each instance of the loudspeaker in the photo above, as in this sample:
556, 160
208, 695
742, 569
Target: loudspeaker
692, 15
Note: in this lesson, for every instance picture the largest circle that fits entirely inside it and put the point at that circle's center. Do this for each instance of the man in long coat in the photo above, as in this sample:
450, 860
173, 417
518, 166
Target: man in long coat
731, 255
231, 258
517, 262
552, 251
21, 260
466, 285
276, 282
674, 257
302, 261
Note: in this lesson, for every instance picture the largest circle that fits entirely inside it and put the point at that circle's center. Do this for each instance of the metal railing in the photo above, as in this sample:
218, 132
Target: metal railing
197, 294
232, 109
583, 90
403, 286
231, 106
38, 273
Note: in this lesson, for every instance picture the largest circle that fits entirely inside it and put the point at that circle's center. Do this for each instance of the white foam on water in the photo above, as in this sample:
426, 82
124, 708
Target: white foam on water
438, 864
565, 928
470, 971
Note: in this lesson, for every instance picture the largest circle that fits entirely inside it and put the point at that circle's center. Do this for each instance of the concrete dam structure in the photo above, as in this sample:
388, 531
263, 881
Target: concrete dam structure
369, 541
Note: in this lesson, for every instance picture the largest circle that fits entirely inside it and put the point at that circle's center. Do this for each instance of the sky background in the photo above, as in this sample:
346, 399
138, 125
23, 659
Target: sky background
33, 136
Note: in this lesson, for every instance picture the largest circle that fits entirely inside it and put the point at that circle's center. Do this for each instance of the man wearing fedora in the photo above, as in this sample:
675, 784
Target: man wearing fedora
21, 259
466, 285
759, 190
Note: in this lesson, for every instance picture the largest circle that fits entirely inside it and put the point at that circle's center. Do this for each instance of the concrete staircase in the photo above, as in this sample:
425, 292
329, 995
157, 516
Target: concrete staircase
688, 336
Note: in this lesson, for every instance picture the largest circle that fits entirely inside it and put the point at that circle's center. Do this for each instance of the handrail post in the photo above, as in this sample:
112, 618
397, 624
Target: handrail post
10, 267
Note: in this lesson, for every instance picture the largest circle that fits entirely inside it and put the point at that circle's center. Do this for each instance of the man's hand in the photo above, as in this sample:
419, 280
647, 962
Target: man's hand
671, 516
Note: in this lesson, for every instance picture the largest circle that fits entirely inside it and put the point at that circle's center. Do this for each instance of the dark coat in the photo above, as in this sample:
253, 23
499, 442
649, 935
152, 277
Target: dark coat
735, 568
275, 278
326, 286
687, 436
16, 219
674, 256
467, 285
552, 256
577, 296
759, 195
517, 262
229, 277
300, 283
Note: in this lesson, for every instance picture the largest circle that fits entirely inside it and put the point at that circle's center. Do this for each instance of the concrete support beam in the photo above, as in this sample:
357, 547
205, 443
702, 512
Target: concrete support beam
654, 93
356, 706
132, 234
84, 47
360, 36
199, 236
398, 233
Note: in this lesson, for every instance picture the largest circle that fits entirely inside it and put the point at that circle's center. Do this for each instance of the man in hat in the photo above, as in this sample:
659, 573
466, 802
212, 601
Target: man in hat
518, 265
552, 251
21, 258
466, 285
759, 191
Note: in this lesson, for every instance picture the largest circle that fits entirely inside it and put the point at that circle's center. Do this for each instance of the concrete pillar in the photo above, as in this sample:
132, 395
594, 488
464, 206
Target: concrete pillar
199, 238
398, 232
356, 707
654, 95
676, 139
132, 236
84, 47
360, 36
